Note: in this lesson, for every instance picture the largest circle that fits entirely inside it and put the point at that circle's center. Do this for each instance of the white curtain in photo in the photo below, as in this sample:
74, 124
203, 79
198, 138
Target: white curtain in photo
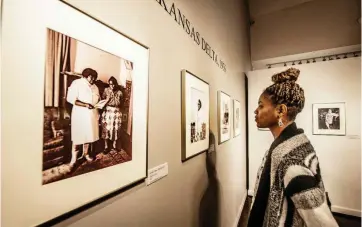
57, 61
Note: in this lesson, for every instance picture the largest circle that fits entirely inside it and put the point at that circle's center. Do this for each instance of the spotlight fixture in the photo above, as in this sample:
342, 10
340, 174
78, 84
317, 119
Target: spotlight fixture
337, 57
308, 61
324, 58
345, 56
293, 63
314, 60
285, 64
330, 58
355, 54
269, 66
300, 62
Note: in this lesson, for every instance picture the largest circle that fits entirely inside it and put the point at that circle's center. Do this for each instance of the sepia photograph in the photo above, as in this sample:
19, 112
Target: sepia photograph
329, 119
224, 108
195, 115
199, 116
237, 120
87, 109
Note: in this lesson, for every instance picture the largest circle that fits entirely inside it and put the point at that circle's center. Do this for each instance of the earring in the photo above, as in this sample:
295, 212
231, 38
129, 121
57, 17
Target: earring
280, 122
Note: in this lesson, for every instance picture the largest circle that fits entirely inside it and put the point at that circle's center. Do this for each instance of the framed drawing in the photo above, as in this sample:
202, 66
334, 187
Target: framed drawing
329, 119
88, 115
237, 120
195, 115
223, 115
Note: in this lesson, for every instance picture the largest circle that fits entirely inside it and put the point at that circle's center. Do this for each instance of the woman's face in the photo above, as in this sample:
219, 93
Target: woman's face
265, 115
111, 84
91, 79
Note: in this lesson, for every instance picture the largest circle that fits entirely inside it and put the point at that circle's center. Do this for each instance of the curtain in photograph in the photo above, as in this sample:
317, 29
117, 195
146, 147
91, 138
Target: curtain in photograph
57, 61
129, 66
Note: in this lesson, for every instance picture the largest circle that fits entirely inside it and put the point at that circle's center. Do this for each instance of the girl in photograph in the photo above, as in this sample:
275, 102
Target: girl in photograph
289, 189
112, 116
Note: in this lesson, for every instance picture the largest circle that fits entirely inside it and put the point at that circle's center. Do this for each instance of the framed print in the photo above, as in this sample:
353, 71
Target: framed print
223, 114
329, 119
237, 120
84, 117
195, 115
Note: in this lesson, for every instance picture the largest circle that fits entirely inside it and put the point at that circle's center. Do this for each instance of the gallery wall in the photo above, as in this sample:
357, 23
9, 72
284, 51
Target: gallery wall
339, 156
323, 24
175, 199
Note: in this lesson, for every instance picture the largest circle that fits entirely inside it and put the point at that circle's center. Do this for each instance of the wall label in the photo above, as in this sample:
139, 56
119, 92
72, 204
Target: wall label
191, 31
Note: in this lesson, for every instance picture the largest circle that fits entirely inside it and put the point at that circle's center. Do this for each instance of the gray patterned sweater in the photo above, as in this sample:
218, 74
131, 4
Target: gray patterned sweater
289, 190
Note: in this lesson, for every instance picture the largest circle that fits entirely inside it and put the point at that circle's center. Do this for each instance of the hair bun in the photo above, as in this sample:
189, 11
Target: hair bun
290, 74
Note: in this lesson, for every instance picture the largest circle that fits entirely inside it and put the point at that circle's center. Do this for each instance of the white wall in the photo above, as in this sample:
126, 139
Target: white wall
174, 200
311, 26
340, 156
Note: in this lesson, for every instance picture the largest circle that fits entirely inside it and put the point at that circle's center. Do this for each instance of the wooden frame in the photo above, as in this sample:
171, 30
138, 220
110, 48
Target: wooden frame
195, 116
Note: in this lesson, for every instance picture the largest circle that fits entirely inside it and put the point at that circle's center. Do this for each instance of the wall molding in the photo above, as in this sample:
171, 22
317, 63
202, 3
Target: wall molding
344, 210
262, 64
336, 209
240, 210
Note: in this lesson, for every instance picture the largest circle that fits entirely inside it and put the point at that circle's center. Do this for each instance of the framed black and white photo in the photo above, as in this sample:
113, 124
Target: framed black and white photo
85, 114
223, 115
237, 118
329, 119
195, 115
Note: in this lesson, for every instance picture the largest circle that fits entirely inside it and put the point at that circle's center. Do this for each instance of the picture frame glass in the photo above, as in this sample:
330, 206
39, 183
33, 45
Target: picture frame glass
195, 115
93, 42
224, 116
329, 119
237, 118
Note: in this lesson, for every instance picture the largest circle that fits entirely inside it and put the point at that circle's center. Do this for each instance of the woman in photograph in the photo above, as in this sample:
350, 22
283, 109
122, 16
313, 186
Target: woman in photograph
83, 94
112, 116
289, 189
329, 118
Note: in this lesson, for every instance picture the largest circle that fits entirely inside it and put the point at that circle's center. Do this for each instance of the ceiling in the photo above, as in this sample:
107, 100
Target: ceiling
261, 7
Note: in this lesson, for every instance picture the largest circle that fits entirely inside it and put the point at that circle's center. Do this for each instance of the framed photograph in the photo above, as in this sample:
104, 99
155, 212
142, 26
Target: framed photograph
82, 86
223, 115
329, 119
195, 115
237, 119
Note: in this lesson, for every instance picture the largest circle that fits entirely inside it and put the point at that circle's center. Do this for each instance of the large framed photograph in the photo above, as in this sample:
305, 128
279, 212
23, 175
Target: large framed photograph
195, 115
223, 115
329, 119
88, 117
237, 118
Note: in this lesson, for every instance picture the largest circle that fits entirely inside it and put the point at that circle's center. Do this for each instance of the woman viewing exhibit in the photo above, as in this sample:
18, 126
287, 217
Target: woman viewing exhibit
83, 94
112, 116
289, 189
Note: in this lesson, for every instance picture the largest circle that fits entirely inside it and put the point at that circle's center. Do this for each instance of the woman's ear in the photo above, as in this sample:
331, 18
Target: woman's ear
282, 110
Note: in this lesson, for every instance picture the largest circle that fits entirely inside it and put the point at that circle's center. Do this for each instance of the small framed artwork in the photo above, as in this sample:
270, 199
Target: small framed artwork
195, 115
237, 121
329, 119
223, 115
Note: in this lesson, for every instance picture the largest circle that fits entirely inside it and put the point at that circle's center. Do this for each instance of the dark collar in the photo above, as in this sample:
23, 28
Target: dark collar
289, 131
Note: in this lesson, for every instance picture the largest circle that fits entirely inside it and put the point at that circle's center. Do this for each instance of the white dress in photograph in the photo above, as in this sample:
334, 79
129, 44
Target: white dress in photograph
84, 121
